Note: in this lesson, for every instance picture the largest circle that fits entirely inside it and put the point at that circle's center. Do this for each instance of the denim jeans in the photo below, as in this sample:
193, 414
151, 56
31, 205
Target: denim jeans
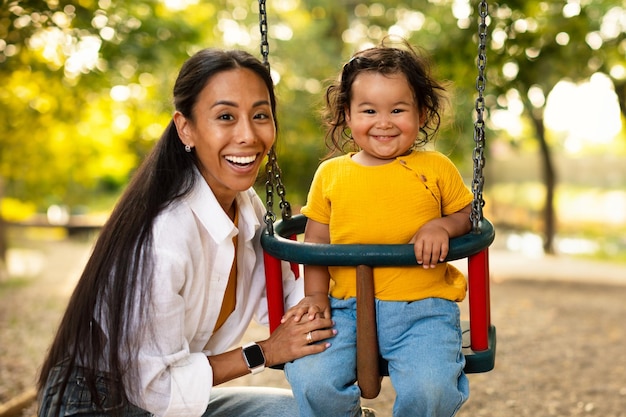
421, 340
251, 402
77, 401
225, 402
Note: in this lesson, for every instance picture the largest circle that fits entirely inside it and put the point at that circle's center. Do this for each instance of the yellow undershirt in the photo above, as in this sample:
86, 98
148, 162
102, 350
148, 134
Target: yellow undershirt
230, 296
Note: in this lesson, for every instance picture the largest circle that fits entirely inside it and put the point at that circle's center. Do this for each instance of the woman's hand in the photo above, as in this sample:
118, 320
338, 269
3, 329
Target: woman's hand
289, 341
293, 339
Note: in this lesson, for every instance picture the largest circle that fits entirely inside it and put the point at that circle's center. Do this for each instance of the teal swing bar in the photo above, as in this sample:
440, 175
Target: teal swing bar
279, 242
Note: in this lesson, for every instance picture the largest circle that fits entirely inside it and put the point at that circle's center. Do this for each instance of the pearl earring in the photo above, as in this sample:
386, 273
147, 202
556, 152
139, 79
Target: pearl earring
187, 148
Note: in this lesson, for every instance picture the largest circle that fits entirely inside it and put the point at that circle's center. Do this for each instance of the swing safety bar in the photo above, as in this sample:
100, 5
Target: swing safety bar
281, 245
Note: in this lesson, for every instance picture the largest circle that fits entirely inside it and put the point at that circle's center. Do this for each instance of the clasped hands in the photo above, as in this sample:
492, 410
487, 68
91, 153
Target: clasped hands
297, 335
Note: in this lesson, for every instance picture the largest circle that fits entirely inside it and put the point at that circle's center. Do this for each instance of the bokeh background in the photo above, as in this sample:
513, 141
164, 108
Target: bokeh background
86, 91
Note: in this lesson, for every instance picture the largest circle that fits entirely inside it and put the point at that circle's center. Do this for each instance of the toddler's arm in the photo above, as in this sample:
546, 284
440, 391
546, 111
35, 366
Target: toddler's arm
431, 242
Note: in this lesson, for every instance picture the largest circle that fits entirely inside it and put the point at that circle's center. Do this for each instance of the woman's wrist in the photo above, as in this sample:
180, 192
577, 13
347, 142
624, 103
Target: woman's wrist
267, 352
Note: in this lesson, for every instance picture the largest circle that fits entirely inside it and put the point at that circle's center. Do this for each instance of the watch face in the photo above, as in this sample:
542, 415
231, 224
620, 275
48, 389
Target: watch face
254, 356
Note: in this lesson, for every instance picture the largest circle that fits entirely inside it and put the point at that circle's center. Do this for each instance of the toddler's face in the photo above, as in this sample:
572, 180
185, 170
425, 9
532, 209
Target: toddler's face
383, 117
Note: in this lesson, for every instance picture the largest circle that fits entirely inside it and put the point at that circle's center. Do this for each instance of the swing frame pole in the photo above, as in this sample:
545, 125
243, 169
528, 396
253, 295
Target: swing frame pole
479, 304
478, 264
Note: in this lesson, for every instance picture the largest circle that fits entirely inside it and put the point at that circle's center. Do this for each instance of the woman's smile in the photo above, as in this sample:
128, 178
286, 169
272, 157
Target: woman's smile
241, 161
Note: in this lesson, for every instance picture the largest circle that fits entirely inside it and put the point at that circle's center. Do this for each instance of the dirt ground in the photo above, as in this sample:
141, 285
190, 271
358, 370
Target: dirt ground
561, 327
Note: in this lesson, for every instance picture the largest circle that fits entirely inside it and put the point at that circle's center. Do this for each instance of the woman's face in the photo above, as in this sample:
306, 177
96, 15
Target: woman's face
232, 130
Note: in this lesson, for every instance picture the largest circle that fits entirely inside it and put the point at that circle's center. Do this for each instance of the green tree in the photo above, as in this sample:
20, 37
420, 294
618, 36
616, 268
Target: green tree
83, 93
83, 81
536, 45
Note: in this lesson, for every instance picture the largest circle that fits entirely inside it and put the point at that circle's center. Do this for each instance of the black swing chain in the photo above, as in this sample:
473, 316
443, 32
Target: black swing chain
272, 170
478, 156
265, 46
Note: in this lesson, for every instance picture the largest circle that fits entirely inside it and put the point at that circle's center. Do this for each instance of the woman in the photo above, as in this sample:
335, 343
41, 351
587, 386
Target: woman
176, 274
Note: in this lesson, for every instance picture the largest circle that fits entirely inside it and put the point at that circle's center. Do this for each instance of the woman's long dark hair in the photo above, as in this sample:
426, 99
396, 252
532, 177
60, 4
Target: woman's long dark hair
118, 273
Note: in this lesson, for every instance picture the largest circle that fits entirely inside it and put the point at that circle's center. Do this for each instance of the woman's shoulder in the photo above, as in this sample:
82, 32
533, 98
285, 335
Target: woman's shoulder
174, 221
251, 199
180, 217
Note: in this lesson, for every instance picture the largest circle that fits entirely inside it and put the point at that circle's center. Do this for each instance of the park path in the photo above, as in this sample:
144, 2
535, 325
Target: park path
31, 303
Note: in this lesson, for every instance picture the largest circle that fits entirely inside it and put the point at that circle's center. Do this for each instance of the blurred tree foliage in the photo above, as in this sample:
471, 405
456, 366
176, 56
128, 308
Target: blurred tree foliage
536, 44
85, 90
87, 83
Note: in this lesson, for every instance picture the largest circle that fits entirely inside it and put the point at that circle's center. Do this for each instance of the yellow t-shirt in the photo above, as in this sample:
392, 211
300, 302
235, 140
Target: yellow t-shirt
387, 204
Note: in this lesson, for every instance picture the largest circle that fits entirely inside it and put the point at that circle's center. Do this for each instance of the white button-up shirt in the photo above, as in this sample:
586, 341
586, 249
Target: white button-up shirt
193, 254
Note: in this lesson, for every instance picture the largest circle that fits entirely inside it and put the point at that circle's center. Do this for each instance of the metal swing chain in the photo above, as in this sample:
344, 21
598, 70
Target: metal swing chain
272, 170
478, 156
265, 45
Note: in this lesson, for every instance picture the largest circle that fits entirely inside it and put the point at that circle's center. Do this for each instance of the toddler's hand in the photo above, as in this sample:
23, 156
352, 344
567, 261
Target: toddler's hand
311, 305
431, 245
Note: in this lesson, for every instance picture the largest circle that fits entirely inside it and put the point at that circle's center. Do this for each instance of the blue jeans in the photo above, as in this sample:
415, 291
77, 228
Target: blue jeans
421, 340
77, 401
225, 402
251, 402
